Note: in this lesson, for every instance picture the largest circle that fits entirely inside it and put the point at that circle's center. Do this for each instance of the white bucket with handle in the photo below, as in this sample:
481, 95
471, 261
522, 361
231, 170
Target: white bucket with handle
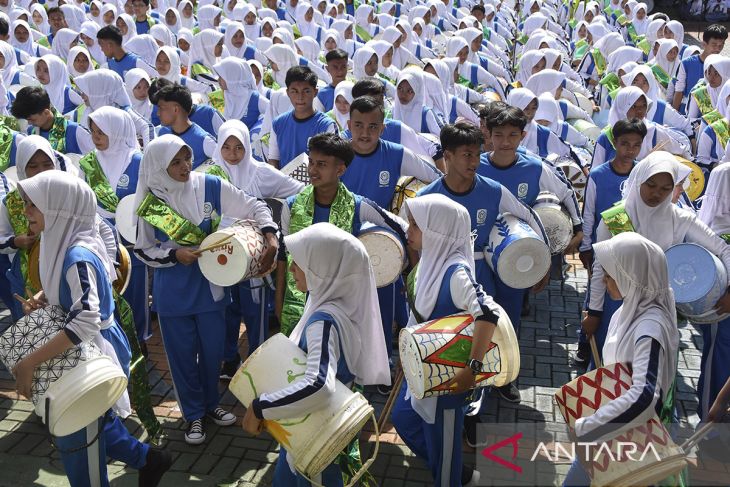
315, 440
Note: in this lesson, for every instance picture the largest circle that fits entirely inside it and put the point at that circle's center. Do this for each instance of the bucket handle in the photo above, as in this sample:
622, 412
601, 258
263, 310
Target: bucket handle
47, 417
365, 466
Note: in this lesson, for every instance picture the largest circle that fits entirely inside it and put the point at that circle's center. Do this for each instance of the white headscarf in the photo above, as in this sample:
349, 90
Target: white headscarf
174, 74
654, 94
58, 80
203, 47
90, 29
207, 15
715, 209
145, 46
118, 126
131, 27
722, 66
134, 76
174, 28
251, 31
285, 58
640, 25
548, 109
240, 84
623, 55
44, 27
103, 87
661, 223
68, 206
343, 89
722, 99
341, 283
29, 46
73, 54
361, 58
446, 228
31, 144
11, 63
436, 96
526, 64
411, 114
310, 49
231, 30
625, 99
546, 81
639, 268
186, 22
160, 33
670, 67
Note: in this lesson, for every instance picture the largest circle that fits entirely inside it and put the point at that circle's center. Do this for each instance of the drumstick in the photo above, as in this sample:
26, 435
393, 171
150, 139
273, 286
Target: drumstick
385, 413
22, 301
214, 244
594, 350
659, 146
699, 435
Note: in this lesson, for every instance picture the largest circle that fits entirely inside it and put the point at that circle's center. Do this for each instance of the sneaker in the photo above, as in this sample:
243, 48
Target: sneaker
509, 393
383, 389
158, 462
469, 476
470, 431
583, 355
230, 368
195, 435
221, 417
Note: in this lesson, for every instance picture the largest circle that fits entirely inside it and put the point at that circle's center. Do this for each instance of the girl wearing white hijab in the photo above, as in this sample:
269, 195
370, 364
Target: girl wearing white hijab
639, 19
234, 156
703, 97
9, 69
648, 204
116, 161
108, 14
660, 111
79, 61
666, 63
631, 102
137, 84
471, 74
53, 75
642, 333
187, 16
339, 330
22, 39
246, 14
236, 42
167, 64
242, 99
488, 59
189, 307
282, 58
305, 22
205, 51
456, 97
125, 23
712, 142
611, 81
594, 64
441, 230
76, 273
172, 20
209, 17
88, 36
143, 45
548, 115
715, 213
37, 11
563, 90
410, 105
340, 112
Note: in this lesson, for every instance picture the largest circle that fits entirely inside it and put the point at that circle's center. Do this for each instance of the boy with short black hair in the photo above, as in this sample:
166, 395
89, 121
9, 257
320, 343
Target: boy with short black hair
325, 199
337, 69
118, 60
603, 190
174, 104
142, 20
291, 130
33, 104
691, 70
207, 117
57, 21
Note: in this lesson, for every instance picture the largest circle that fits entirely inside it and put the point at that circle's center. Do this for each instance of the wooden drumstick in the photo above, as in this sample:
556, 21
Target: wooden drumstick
385, 413
659, 146
20, 299
594, 351
699, 435
214, 244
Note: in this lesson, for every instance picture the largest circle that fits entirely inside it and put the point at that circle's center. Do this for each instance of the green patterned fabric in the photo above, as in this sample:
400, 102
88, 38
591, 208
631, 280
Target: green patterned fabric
158, 214
95, 177
661, 76
217, 100
342, 214
57, 134
6, 144
16, 215
617, 220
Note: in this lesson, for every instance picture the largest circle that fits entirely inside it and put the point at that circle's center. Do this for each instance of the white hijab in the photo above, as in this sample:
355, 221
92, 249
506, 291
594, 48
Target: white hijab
661, 223
623, 55
654, 94
231, 30
203, 47
134, 76
343, 89
103, 87
240, 84
118, 126
285, 58
411, 114
669, 67
625, 99
361, 58
68, 206
58, 80
174, 74
527, 62
341, 283
446, 228
11, 63
722, 66
715, 210
73, 54
639, 268
31, 144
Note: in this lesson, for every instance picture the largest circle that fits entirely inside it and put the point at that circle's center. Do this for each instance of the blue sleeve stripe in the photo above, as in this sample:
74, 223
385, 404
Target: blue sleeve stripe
146, 257
83, 272
318, 382
487, 313
642, 403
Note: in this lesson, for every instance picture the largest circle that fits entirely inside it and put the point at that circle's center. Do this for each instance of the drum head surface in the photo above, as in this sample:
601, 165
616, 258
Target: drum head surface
126, 219
524, 263
558, 227
235, 259
386, 255
692, 272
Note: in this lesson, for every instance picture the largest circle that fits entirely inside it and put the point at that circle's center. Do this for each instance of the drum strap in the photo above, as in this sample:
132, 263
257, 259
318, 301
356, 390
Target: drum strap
139, 381
342, 215
159, 214
98, 181
617, 220
411, 294
57, 134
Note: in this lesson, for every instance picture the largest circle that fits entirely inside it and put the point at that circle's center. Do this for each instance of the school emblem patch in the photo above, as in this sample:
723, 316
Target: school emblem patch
481, 216
384, 178
123, 181
522, 190
207, 209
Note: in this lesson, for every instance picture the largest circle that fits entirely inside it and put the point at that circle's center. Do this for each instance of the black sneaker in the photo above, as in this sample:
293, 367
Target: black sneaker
509, 393
158, 462
469, 476
230, 368
582, 356
195, 435
383, 389
221, 417
470, 431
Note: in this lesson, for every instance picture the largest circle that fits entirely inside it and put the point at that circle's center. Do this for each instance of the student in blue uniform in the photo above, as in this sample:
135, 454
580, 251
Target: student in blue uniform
339, 331
142, 21
327, 199
76, 273
33, 104
190, 309
174, 104
691, 70
291, 130
241, 98
120, 61
205, 116
603, 190
251, 298
444, 285
337, 69
111, 170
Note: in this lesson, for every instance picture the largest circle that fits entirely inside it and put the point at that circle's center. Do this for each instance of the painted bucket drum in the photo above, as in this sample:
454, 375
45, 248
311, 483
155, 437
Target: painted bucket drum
237, 258
387, 254
556, 221
406, 188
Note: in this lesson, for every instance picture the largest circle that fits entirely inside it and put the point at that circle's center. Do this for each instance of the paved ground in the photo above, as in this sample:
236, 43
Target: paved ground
230, 457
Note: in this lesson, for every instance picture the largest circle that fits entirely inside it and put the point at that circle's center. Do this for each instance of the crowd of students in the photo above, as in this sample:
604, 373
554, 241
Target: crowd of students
200, 110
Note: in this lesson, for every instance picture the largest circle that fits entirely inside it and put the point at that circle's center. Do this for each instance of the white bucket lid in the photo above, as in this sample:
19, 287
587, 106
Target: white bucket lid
126, 219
